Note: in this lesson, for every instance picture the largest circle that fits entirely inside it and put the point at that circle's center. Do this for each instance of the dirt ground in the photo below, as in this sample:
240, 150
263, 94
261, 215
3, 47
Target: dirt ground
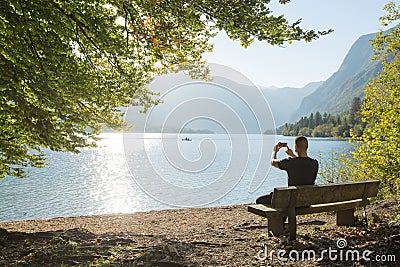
221, 236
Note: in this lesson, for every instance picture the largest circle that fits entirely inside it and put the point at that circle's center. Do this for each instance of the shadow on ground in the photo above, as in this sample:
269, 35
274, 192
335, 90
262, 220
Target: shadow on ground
81, 247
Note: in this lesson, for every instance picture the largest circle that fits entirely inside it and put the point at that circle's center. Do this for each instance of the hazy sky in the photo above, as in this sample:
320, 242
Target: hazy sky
300, 63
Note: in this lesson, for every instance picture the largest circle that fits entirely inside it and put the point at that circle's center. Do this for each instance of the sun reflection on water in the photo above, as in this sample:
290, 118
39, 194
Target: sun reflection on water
112, 188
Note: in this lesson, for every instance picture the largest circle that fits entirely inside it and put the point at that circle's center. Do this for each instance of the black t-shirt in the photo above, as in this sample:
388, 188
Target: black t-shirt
301, 171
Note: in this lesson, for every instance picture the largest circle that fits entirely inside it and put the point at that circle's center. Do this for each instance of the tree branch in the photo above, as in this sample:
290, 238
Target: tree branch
31, 43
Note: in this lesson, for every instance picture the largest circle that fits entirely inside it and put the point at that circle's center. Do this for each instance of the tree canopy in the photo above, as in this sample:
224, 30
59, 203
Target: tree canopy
377, 154
67, 66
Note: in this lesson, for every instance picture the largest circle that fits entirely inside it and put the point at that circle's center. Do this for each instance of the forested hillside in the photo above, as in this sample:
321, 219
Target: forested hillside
327, 125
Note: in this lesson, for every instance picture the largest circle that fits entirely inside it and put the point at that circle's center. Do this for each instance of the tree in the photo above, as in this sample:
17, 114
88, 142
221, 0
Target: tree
331, 120
322, 131
311, 121
325, 117
357, 130
318, 119
355, 109
67, 66
377, 154
338, 119
305, 131
355, 105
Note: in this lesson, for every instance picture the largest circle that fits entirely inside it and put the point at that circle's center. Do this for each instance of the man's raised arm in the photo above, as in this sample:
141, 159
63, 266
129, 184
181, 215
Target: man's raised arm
274, 160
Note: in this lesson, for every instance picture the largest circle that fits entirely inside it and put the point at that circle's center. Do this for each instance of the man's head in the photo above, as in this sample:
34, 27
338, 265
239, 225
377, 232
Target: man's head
301, 144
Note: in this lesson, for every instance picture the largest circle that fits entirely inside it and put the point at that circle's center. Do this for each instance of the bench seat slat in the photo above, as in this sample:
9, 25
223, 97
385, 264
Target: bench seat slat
266, 211
344, 205
261, 210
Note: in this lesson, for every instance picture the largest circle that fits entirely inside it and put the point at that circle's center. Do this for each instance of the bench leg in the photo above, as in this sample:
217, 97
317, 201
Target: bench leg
345, 217
292, 227
275, 225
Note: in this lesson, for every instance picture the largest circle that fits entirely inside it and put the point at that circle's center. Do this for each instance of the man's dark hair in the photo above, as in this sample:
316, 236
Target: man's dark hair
301, 142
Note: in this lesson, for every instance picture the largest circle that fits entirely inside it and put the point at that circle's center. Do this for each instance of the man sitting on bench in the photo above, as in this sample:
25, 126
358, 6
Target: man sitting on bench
301, 169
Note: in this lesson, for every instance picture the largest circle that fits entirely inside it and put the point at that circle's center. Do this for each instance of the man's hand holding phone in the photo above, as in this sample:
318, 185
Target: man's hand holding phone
279, 146
289, 152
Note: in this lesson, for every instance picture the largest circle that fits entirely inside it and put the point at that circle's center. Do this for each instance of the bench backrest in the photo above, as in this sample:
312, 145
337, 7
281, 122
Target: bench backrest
320, 194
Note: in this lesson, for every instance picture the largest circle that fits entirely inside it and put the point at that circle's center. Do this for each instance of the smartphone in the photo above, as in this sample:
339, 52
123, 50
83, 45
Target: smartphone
283, 144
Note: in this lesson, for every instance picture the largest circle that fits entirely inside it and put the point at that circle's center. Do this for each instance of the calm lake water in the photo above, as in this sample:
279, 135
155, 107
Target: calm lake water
135, 173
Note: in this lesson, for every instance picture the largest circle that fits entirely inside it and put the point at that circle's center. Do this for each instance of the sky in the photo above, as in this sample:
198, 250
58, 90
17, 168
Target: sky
300, 63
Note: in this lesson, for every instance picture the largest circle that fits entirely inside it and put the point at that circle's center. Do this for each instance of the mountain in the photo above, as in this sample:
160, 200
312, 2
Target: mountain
336, 93
223, 105
284, 101
199, 106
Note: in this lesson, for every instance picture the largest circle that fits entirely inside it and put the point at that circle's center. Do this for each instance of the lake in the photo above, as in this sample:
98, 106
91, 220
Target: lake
131, 173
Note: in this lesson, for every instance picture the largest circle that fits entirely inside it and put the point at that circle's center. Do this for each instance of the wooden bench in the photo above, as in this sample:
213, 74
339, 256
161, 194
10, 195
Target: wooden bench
298, 200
